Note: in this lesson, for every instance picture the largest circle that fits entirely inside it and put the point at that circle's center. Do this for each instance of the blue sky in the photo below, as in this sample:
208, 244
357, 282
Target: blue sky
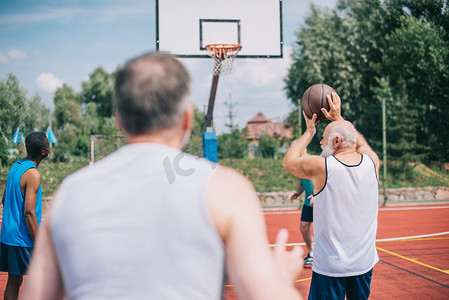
48, 43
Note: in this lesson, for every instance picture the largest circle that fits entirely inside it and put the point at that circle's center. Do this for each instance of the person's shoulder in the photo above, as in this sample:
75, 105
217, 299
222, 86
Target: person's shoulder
229, 176
314, 163
31, 177
227, 182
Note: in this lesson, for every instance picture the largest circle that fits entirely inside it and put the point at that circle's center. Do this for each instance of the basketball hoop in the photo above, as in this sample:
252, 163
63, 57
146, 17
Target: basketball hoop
223, 56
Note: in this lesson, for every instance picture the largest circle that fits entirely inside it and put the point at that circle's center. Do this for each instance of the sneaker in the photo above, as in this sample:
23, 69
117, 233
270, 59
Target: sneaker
308, 260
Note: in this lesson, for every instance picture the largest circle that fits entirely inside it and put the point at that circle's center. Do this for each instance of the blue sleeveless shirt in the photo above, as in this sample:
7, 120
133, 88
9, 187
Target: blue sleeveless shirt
14, 229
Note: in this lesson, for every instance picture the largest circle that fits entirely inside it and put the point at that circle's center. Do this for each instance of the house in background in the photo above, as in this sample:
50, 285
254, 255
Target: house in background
260, 126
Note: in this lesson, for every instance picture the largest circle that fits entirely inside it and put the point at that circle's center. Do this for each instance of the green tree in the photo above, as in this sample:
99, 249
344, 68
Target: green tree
268, 146
13, 105
198, 122
416, 59
99, 90
195, 143
361, 41
4, 161
234, 143
67, 109
37, 115
91, 118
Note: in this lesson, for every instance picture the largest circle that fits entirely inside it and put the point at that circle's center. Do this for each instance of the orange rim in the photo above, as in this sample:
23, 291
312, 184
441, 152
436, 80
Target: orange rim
223, 48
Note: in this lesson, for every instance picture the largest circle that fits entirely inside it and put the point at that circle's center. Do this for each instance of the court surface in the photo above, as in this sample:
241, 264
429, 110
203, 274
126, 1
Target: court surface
413, 248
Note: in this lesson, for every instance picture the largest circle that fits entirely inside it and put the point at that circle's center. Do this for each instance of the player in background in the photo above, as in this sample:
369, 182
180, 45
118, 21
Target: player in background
151, 222
306, 186
22, 210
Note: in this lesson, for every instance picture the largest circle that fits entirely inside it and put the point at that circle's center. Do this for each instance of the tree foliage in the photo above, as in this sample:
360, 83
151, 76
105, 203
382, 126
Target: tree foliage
99, 90
13, 104
370, 49
234, 143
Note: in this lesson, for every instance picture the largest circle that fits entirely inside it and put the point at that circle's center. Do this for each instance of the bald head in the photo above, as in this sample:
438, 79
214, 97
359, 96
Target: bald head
338, 135
343, 129
151, 93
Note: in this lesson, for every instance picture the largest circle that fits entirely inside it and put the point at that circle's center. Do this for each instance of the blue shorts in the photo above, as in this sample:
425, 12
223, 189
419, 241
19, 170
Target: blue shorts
307, 213
15, 259
353, 287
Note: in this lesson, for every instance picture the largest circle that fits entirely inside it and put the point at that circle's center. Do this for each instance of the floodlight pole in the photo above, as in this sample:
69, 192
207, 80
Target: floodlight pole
210, 107
384, 150
299, 117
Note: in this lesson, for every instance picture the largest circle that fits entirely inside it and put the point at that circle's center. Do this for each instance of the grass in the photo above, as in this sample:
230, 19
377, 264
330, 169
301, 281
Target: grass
267, 175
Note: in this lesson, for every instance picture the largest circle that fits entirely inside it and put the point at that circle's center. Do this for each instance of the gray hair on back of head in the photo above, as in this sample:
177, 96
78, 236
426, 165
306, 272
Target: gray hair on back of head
348, 137
151, 93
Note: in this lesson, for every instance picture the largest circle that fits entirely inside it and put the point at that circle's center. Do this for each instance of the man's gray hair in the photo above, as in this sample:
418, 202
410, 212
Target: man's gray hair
348, 137
151, 93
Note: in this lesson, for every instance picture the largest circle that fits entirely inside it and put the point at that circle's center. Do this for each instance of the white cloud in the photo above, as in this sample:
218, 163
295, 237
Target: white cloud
3, 58
17, 54
13, 54
48, 82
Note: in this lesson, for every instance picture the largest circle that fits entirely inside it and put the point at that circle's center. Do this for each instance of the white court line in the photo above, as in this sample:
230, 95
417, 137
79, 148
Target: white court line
412, 237
383, 240
411, 208
297, 211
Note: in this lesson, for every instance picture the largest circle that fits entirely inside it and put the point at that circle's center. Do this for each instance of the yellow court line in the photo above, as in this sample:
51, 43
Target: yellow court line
412, 260
304, 279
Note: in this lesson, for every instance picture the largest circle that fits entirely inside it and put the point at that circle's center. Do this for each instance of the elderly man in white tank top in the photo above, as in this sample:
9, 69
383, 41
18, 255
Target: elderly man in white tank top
345, 201
151, 222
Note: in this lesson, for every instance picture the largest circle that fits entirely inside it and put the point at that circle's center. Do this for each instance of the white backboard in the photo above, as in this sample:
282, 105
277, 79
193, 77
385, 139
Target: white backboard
185, 27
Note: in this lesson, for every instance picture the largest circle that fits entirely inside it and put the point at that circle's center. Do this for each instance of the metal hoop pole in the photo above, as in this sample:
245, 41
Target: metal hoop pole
210, 107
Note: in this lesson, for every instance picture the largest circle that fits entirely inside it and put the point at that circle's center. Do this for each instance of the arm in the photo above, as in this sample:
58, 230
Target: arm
255, 270
298, 192
306, 167
362, 147
44, 279
30, 183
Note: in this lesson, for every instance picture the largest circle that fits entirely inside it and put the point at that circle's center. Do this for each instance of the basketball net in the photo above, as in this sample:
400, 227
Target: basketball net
223, 56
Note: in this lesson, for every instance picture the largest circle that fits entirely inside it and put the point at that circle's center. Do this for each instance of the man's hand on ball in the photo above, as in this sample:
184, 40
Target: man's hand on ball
335, 108
311, 123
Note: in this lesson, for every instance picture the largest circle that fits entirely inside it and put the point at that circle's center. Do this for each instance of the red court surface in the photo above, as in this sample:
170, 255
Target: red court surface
413, 247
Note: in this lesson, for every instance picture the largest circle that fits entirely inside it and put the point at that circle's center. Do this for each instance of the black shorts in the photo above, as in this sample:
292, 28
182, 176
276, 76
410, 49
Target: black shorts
307, 213
353, 287
15, 259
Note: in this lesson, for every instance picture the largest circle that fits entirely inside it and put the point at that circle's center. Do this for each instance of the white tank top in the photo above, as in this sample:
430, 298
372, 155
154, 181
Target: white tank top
135, 226
345, 219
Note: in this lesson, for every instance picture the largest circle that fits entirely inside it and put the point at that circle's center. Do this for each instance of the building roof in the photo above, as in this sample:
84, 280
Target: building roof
259, 118
260, 126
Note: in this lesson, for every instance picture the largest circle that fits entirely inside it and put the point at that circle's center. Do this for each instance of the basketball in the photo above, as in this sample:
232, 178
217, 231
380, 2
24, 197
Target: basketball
314, 99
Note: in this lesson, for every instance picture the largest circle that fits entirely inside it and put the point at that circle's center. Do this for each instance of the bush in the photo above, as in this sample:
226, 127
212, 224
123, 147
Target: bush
232, 145
60, 154
268, 145
80, 146
4, 161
